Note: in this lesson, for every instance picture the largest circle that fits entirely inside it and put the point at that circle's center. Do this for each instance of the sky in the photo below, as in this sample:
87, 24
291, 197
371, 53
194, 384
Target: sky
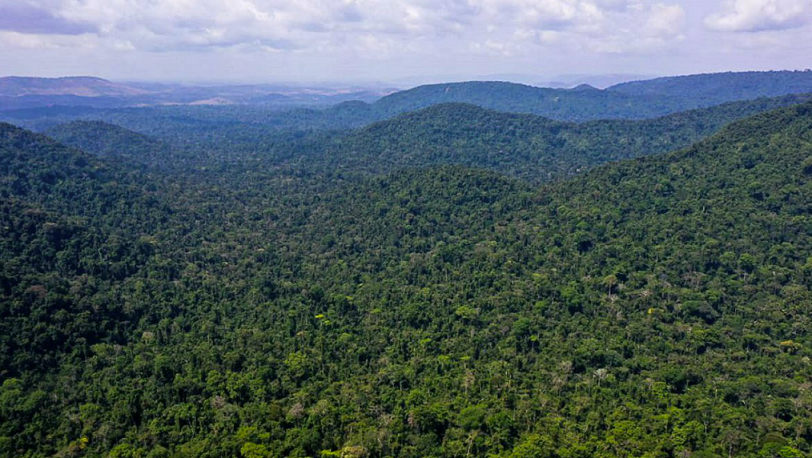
394, 40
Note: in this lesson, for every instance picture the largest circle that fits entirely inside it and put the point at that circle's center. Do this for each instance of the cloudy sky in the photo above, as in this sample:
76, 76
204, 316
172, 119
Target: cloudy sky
384, 40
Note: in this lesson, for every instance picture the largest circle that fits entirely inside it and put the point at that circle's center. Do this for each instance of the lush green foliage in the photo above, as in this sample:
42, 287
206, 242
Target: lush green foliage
111, 141
525, 146
655, 307
64, 216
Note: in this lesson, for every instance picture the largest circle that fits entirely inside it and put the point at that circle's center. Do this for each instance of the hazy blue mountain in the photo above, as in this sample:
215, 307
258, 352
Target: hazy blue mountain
322, 108
714, 88
80, 86
18, 93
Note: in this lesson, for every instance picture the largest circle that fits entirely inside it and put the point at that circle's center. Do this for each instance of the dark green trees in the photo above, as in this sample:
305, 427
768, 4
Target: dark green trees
655, 307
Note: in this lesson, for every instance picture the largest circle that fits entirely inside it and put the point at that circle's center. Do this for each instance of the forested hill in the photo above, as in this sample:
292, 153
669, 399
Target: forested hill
636, 100
101, 138
525, 146
655, 306
579, 104
652, 307
39, 171
109, 140
129, 148
73, 228
714, 88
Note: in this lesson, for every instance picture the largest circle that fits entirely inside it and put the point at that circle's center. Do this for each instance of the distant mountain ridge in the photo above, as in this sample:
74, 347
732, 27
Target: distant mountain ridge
634, 100
579, 104
710, 88
32, 92
81, 86
354, 107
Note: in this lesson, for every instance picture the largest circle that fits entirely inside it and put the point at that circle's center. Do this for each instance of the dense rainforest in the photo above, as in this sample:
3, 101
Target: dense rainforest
526, 146
451, 282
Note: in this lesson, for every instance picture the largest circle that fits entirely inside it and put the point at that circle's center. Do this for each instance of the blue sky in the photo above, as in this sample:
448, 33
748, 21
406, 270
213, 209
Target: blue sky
379, 40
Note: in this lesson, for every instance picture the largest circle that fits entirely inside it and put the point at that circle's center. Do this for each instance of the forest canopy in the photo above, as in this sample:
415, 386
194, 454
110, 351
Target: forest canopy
453, 282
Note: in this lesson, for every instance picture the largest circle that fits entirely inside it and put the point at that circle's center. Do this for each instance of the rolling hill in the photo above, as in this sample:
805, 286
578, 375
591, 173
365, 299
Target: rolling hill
25, 93
715, 88
635, 100
524, 146
66, 217
307, 109
114, 142
578, 104
80, 86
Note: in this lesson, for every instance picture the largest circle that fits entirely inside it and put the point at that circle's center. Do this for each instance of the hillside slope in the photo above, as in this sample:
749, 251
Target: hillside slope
715, 88
634, 100
577, 104
525, 146
74, 229
112, 141
79, 86
654, 306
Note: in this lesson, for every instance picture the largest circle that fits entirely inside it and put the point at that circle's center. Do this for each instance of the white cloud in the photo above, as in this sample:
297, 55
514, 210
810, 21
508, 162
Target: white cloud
665, 20
507, 27
542, 14
760, 15
598, 26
